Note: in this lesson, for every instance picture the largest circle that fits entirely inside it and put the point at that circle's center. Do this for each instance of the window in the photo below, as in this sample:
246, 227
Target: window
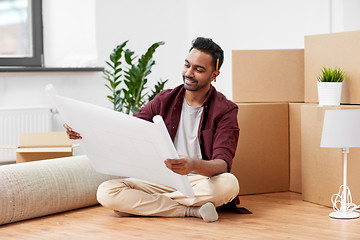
21, 33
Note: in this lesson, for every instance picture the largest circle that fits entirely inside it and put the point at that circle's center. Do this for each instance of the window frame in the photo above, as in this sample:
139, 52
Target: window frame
37, 41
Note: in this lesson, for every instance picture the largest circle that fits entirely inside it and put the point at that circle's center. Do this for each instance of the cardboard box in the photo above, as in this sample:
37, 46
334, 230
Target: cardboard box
295, 146
268, 75
261, 162
330, 50
40, 146
322, 168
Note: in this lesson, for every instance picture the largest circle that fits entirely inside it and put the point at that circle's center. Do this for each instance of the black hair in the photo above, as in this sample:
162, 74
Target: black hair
207, 45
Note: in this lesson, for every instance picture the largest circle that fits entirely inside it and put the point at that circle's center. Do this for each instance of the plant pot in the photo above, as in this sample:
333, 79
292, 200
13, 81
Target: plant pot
329, 93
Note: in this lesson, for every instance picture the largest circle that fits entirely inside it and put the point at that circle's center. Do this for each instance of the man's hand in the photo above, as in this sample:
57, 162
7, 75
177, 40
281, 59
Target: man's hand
186, 165
72, 135
182, 166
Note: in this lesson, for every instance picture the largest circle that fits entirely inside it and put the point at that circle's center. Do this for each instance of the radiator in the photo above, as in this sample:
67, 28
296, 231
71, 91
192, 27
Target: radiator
14, 121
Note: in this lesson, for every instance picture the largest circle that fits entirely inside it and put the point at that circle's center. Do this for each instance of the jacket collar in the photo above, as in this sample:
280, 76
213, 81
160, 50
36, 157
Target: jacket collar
209, 95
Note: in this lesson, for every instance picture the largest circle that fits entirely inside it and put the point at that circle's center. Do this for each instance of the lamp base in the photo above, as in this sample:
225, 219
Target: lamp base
344, 215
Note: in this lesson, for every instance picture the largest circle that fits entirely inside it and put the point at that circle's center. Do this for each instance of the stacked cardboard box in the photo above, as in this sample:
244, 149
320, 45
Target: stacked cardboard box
330, 50
322, 168
295, 146
268, 75
264, 82
261, 163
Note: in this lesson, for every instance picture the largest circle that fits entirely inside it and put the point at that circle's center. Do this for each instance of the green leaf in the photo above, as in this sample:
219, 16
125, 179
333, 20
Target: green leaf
108, 87
116, 84
128, 56
106, 72
116, 78
130, 96
112, 66
117, 71
159, 86
113, 58
331, 75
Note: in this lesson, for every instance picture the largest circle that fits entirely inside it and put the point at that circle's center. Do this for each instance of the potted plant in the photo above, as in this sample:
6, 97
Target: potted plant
127, 78
330, 85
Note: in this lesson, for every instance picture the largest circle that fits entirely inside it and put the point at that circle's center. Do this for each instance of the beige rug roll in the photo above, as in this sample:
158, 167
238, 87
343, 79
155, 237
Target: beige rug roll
40, 188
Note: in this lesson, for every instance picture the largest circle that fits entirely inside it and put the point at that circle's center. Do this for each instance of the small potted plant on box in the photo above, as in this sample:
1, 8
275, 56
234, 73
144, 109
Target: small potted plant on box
330, 85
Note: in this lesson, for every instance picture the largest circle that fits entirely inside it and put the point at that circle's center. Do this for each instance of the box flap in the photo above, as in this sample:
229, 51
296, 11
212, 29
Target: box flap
44, 139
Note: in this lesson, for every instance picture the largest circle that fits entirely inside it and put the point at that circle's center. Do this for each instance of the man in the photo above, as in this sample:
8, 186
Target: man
203, 126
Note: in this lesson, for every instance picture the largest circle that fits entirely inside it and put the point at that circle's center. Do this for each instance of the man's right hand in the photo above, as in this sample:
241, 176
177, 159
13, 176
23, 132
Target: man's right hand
72, 135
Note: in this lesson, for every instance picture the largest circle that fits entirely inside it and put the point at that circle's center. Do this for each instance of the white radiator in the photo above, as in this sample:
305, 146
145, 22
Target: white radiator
14, 121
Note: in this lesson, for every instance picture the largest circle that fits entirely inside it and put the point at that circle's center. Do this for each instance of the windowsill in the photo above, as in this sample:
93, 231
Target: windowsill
50, 69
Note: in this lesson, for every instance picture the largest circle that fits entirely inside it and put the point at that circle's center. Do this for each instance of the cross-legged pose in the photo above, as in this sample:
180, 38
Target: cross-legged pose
203, 126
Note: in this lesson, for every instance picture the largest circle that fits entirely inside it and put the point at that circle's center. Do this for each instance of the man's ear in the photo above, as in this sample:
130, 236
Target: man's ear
214, 75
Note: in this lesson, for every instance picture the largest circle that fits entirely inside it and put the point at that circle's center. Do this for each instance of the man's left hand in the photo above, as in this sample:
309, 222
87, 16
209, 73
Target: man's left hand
182, 166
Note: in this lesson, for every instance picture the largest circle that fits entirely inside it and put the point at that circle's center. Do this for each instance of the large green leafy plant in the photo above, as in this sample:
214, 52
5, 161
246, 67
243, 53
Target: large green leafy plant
128, 76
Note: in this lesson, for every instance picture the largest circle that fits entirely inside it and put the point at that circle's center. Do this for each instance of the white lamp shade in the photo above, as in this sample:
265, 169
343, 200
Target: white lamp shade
341, 129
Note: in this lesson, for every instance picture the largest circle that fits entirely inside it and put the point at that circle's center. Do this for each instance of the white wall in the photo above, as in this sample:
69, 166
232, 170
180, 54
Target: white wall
345, 15
84, 32
69, 33
256, 24
143, 23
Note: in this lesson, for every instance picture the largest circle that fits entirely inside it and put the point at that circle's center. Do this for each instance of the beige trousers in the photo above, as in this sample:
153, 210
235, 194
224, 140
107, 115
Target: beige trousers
145, 198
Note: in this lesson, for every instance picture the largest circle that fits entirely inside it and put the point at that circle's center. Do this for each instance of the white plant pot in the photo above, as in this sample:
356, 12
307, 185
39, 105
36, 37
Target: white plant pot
329, 93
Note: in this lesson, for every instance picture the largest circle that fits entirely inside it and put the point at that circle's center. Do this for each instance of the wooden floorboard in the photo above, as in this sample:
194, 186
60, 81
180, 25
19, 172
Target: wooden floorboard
275, 216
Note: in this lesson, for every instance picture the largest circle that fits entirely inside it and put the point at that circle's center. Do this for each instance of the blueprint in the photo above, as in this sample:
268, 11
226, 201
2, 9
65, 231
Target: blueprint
122, 145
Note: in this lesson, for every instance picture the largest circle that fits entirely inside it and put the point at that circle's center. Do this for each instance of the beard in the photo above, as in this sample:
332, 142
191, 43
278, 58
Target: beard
191, 84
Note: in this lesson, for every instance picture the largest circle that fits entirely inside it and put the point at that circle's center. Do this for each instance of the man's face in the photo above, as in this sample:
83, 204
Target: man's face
198, 71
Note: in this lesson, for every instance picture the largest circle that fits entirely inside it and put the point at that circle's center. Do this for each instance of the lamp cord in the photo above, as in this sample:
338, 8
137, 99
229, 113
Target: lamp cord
338, 199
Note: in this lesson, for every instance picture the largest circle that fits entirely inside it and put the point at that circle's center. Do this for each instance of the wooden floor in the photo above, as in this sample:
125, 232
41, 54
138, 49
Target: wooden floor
275, 216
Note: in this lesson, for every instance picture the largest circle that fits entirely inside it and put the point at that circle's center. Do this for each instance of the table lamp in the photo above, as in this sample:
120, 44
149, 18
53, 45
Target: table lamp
341, 129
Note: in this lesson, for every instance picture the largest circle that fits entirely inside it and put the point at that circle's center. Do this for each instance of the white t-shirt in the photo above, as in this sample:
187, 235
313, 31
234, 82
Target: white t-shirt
186, 140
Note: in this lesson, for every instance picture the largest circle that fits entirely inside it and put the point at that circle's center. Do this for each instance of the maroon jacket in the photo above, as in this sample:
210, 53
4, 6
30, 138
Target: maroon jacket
219, 131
